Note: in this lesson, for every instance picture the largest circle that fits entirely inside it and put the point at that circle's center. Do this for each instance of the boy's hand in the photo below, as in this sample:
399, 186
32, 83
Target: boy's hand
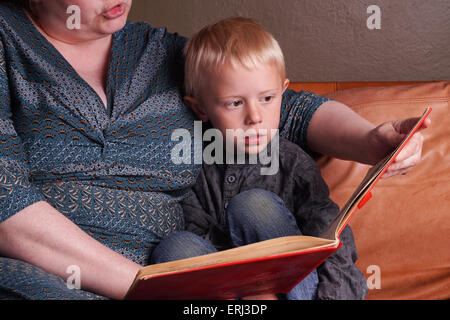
387, 136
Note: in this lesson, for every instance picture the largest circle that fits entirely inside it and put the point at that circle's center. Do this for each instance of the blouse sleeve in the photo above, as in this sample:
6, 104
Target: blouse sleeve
16, 191
297, 109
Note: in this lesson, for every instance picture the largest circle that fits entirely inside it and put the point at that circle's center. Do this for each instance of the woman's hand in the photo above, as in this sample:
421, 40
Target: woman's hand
387, 136
337, 131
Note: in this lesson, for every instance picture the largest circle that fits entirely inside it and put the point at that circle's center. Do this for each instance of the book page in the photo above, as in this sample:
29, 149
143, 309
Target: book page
372, 176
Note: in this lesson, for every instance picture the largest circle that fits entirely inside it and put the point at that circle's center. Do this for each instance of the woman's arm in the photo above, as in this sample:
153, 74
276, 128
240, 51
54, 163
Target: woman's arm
338, 131
33, 231
42, 236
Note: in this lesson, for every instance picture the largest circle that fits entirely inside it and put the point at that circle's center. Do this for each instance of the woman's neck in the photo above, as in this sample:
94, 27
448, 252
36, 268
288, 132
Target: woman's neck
88, 58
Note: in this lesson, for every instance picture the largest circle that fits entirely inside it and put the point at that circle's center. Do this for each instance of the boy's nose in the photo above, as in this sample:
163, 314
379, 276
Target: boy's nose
253, 114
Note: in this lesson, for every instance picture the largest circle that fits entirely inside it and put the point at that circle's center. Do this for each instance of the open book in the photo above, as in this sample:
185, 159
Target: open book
271, 266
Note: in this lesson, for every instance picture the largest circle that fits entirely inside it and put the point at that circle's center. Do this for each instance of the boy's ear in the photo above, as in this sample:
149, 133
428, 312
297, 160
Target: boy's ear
195, 106
286, 84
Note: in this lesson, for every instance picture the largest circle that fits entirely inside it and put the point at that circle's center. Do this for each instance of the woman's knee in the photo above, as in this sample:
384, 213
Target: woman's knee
180, 245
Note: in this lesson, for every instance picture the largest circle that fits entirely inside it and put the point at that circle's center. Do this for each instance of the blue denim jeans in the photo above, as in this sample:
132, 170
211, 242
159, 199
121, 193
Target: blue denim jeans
253, 216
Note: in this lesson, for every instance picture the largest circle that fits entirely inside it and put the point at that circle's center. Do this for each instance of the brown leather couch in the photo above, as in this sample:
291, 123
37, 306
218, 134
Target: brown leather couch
403, 232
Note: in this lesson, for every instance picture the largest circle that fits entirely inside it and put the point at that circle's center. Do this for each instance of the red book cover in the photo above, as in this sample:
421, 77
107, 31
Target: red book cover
274, 274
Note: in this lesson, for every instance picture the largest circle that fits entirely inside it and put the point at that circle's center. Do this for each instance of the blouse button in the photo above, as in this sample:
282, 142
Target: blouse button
231, 179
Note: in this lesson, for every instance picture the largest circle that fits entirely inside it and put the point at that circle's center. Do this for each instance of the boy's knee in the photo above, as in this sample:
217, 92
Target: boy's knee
257, 215
254, 204
180, 245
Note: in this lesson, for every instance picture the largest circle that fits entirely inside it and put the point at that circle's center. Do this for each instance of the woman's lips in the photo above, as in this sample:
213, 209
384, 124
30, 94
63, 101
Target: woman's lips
115, 12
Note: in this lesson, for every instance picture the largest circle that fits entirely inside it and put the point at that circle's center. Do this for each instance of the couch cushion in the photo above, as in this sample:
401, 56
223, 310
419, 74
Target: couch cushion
404, 230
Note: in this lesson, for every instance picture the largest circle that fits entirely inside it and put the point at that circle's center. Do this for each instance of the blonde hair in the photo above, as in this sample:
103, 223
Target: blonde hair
238, 41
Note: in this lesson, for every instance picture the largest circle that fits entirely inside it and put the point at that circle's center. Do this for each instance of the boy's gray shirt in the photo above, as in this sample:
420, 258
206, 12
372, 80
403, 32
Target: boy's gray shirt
300, 185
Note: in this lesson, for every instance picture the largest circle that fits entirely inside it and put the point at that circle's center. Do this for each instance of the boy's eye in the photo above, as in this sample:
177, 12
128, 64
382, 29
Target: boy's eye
235, 103
267, 99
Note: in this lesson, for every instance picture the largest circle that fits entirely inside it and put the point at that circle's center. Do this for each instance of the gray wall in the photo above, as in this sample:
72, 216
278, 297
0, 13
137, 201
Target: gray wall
328, 40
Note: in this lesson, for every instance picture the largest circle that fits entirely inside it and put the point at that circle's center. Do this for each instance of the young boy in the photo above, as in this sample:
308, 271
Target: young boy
235, 79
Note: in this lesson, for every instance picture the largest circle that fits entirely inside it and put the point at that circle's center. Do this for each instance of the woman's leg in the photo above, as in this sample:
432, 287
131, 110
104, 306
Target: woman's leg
180, 245
257, 215
21, 280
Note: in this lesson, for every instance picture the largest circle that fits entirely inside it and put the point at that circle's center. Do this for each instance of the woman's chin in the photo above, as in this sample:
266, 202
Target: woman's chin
111, 26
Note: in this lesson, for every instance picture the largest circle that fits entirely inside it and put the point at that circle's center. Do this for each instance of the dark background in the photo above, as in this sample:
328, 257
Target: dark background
328, 40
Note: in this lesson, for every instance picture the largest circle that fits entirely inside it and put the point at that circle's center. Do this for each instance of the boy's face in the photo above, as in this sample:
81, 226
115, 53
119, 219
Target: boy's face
234, 97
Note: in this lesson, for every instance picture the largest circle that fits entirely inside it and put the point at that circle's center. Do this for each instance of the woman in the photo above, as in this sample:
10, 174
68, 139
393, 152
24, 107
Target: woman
85, 121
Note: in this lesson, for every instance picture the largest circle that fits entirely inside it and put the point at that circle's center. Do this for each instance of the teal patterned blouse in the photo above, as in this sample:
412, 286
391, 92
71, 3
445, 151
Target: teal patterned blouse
106, 168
